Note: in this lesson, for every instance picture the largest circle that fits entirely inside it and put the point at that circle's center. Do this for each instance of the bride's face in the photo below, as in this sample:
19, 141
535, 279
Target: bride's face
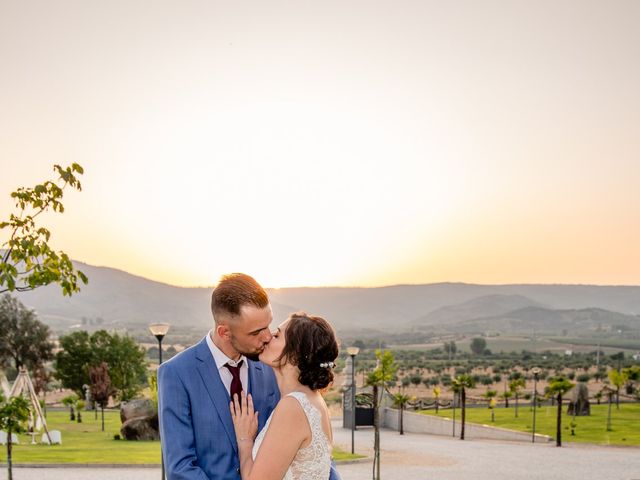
274, 348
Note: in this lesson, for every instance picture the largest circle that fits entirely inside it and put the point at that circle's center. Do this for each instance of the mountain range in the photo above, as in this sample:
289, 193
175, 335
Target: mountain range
114, 298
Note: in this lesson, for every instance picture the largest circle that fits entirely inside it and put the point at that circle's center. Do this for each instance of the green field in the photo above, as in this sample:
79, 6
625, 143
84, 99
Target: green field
85, 443
625, 422
517, 343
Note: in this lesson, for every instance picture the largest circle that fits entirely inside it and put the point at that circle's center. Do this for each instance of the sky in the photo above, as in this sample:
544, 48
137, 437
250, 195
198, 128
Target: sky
332, 143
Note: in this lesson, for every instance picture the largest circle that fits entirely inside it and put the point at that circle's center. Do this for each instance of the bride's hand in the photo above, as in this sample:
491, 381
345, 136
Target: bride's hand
245, 419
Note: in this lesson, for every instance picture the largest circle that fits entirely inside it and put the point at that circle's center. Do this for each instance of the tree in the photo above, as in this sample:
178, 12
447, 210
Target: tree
436, 396
13, 415
450, 349
617, 379
460, 385
70, 401
101, 388
633, 377
81, 351
79, 405
515, 386
27, 260
558, 386
415, 379
478, 345
73, 360
610, 392
24, 340
491, 401
400, 400
506, 396
379, 379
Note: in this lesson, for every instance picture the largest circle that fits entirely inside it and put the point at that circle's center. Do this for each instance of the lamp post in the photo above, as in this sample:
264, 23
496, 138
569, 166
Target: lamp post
536, 372
353, 351
159, 330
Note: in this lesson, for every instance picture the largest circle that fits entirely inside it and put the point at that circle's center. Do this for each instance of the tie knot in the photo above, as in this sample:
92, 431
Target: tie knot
236, 369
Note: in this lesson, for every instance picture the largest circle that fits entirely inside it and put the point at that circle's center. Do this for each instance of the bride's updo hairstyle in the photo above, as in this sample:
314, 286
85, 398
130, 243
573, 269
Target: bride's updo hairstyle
311, 345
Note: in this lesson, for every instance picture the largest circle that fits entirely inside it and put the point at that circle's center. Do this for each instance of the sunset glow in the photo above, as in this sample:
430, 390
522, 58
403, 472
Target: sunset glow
332, 144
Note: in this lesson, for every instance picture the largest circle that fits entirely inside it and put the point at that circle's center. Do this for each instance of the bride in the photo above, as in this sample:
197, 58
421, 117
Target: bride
295, 443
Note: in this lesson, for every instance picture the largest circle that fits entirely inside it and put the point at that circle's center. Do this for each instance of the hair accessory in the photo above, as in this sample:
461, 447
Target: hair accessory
327, 365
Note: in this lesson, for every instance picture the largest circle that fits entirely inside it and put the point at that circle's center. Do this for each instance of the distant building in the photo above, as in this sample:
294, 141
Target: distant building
568, 353
636, 357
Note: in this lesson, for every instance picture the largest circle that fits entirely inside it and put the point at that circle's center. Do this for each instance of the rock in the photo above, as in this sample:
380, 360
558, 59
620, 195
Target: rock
140, 407
579, 405
141, 428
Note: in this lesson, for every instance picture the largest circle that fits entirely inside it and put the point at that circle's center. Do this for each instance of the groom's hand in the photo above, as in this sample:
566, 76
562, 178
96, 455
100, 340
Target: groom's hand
245, 418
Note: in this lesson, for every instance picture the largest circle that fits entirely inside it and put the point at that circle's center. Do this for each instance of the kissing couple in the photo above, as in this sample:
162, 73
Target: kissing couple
245, 402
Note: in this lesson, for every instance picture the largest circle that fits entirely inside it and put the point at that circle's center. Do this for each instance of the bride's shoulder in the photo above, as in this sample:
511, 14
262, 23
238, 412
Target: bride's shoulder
290, 419
289, 405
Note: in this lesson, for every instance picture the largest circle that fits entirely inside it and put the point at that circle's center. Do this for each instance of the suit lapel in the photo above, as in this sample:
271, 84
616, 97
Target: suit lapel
216, 389
260, 392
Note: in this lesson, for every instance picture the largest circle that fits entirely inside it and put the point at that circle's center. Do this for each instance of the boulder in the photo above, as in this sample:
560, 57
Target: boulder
579, 405
140, 407
141, 428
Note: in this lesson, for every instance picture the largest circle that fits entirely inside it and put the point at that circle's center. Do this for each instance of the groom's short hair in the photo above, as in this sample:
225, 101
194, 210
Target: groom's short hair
235, 290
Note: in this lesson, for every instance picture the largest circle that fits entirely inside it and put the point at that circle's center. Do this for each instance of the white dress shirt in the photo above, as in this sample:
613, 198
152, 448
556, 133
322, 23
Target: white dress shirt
221, 360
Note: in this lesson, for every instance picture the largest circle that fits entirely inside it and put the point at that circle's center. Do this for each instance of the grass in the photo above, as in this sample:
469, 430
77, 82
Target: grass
625, 422
85, 443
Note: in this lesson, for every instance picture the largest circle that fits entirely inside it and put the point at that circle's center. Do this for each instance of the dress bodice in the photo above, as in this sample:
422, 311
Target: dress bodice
312, 462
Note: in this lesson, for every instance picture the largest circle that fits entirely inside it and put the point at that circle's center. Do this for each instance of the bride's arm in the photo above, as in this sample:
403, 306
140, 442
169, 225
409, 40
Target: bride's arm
288, 431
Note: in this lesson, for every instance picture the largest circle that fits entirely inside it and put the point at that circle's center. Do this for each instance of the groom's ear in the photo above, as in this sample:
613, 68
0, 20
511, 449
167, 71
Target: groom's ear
223, 331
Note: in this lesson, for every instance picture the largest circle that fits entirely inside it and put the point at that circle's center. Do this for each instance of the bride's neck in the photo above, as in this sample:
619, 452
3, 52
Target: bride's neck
287, 378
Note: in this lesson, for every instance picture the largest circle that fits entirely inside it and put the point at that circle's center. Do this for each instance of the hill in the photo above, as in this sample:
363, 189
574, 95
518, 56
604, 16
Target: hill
117, 298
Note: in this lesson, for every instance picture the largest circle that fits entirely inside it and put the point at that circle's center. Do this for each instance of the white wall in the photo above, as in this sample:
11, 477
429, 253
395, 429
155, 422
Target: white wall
417, 423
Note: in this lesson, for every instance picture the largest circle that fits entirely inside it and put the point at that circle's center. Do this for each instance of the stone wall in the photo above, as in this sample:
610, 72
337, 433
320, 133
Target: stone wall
417, 423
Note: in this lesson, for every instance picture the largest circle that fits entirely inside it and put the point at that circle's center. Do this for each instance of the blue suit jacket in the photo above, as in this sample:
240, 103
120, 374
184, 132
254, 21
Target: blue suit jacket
198, 439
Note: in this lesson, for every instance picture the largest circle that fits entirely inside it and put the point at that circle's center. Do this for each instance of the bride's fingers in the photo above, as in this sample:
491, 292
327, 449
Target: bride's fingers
245, 403
236, 404
249, 404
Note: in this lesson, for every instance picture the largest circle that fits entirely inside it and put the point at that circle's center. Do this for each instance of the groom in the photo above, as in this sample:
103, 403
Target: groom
194, 387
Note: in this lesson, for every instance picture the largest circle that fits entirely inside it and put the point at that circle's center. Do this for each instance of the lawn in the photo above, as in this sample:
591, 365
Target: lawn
625, 423
86, 443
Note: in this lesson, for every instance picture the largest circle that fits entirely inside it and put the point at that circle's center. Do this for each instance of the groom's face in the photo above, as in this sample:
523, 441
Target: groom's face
249, 331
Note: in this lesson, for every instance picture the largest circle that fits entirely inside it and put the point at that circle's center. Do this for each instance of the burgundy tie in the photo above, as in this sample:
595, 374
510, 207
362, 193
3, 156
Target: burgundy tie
236, 384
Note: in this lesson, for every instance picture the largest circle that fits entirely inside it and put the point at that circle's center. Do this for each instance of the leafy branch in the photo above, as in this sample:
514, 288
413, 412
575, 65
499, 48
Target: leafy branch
28, 262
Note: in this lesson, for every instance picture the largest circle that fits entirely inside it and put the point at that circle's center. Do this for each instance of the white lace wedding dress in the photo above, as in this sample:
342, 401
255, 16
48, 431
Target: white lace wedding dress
312, 462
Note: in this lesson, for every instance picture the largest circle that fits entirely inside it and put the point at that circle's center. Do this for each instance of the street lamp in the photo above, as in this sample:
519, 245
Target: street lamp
353, 351
159, 330
536, 371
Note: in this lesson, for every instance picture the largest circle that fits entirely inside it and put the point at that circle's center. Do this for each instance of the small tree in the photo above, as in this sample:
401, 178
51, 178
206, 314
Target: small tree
436, 395
13, 415
101, 388
610, 392
400, 400
79, 405
516, 386
633, 377
379, 379
617, 379
506, 396
27, 260
491, 402
70, 401
558, 386
460, 385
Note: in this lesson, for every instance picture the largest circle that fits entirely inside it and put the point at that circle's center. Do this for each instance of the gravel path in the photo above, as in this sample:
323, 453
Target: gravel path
419, 457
